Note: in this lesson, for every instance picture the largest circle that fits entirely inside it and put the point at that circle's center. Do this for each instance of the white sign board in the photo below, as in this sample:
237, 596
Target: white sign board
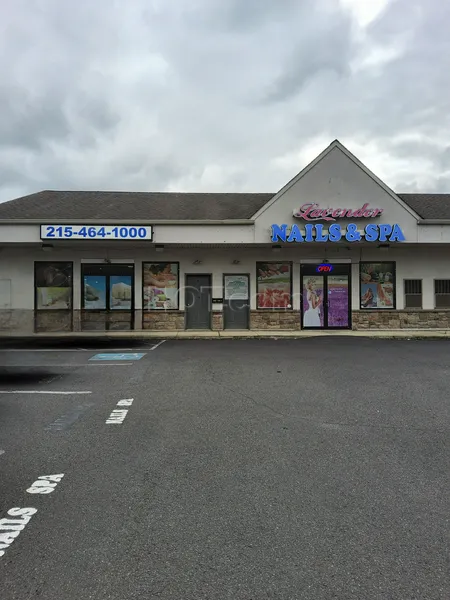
96, 232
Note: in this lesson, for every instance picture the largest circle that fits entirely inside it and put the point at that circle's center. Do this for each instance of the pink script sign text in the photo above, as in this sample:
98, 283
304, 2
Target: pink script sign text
312, 212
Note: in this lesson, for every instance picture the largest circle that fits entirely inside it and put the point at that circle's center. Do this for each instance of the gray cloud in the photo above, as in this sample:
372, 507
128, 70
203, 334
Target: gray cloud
27, 120
219, 95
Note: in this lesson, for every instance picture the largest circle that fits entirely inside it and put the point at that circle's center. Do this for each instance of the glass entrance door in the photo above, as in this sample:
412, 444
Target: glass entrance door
326, 296
107, 296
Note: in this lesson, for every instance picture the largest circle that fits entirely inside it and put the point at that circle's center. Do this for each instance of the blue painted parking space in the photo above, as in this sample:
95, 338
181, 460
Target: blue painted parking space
118, 356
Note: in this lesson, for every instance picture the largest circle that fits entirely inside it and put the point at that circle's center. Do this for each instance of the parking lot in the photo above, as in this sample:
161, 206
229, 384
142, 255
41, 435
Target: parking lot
225, 469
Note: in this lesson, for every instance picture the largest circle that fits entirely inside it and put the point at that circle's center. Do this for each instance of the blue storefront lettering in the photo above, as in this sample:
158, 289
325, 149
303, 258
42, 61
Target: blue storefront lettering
397, 234
279, 233
309, 229
317, 233
371, 232
295, 235
334, 232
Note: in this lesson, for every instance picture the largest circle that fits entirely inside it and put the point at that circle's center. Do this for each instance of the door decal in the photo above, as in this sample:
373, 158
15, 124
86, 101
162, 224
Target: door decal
338, 299
313, 301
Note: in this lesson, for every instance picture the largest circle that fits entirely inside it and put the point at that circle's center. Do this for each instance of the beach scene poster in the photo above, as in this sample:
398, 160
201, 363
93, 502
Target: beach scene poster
95, 292
120, 292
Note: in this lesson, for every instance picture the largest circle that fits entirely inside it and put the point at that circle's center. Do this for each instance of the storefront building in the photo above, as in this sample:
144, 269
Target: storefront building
335, 248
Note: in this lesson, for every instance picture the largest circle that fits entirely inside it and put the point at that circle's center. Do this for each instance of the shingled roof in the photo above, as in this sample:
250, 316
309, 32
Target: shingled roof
429, 206
156, 206
149, 206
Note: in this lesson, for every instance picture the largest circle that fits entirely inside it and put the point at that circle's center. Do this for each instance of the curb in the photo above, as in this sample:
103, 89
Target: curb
428, 334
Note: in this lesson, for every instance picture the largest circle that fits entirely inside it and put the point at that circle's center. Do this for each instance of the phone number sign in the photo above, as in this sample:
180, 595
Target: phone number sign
96, 232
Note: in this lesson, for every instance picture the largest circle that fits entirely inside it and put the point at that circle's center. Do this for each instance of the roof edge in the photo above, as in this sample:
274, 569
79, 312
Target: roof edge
126, 222
337, 144
433, 222
294, 179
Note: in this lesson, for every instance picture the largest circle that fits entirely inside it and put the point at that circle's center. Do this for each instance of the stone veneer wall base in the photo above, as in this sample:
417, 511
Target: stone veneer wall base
217, 320
172, 320
401, 319
26, 322
275, 320
17, 321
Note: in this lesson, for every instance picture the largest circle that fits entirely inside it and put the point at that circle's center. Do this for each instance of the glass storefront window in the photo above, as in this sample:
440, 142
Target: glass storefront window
53, 285
107, 287
274, 285
160, 286
377, 285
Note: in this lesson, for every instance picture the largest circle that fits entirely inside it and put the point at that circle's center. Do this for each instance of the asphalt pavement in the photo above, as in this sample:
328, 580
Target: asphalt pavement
310, 469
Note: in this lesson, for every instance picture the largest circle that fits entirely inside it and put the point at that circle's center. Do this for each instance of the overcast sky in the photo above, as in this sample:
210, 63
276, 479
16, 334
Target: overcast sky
220, 95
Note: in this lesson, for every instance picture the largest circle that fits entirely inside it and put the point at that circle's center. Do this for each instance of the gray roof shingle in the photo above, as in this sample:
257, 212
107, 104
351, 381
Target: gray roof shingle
155, 206
149, 206
429, 206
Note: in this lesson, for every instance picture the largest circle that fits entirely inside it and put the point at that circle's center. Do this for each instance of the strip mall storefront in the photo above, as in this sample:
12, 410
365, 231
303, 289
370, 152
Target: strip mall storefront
334, 249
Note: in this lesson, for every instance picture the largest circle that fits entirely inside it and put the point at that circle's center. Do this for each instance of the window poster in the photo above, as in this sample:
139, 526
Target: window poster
377, 285
94, 292
53, 283
313, 289
160, 286
236, 287
121, 291
274, 283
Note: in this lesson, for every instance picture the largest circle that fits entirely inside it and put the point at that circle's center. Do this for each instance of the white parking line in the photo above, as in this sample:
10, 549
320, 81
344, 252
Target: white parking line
39, 392
29, 350
61, 365
128, 364
76, 349
157, 345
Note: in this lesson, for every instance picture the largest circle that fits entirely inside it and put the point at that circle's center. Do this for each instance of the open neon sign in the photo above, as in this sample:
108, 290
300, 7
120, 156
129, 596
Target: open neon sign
324, 268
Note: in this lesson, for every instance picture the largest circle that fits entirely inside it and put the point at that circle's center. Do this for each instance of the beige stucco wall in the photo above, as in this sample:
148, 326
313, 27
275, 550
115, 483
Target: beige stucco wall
162, 234
336, 181
17, 267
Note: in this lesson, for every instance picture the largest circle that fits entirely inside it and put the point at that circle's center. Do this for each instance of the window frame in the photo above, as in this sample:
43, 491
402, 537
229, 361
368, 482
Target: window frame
434, 295
277, 262
405, 294
394, 278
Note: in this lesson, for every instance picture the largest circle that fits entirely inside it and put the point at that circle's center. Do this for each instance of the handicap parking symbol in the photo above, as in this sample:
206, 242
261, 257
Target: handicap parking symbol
124, 356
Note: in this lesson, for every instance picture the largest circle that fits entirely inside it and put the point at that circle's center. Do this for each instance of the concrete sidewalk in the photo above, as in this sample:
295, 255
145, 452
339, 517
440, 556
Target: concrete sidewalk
240, 334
